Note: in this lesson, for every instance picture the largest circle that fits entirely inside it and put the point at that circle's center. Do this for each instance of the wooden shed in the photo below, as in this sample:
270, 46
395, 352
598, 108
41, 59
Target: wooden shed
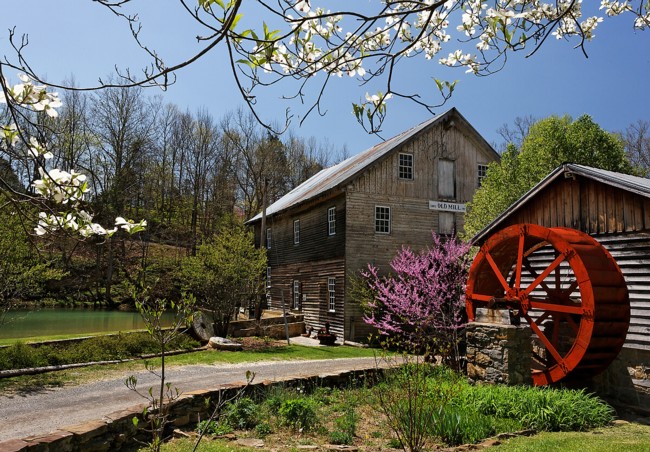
614, 209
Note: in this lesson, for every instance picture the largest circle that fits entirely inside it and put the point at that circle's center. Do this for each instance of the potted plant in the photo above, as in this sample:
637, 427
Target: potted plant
325, 337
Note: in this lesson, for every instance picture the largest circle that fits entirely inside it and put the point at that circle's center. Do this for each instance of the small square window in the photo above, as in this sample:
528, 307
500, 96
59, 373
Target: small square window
331, 221
331, 289
268, 238
296, 232
382, 220
406, 166
482, 172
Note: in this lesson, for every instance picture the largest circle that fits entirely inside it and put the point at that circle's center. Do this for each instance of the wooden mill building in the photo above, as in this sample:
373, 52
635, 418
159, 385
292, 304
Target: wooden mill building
362, 211
613, 208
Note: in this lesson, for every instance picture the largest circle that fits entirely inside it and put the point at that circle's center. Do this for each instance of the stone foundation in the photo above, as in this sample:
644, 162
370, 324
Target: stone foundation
626, 382
498, 353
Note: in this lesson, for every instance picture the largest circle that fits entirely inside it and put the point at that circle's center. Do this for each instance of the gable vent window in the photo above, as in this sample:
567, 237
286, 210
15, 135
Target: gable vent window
406, 166
268, 238
482, 172
296, 232
382, 220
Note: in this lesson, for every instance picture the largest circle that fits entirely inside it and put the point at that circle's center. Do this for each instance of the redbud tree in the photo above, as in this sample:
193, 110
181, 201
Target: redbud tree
421, 303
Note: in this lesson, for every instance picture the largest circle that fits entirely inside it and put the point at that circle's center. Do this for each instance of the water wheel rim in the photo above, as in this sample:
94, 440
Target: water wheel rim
540, 237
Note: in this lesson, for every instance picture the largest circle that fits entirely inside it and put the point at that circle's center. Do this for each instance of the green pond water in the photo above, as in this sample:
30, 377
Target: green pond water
21, 324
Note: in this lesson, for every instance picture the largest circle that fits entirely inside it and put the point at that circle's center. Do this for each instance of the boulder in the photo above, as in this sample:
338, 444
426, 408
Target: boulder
221, 343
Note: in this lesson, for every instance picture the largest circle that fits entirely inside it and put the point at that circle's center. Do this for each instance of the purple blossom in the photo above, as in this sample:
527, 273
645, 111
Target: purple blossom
422, 301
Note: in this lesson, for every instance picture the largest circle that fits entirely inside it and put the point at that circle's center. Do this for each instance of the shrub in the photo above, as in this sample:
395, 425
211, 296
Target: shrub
346, 427
263, 428
299, 414
214, 428
241, 414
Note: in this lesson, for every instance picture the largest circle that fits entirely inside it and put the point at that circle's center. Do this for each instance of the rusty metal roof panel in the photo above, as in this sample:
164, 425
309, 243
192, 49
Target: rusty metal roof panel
337, 175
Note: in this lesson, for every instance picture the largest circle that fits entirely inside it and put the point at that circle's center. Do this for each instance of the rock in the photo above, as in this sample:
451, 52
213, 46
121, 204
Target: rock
337, 447
250, 442
221, 343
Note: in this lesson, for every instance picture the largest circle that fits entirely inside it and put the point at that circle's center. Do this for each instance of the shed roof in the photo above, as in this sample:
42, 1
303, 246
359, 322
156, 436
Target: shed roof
634, 184
337, 176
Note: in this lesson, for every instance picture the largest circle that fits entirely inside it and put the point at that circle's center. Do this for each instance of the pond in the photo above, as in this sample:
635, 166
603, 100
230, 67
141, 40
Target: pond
22, 324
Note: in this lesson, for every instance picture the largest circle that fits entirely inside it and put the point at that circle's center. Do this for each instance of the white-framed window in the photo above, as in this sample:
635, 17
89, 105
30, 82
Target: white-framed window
268, 238
382, 220
482, 172
268, 277
446, 179
296, 232
331, 291
296, 295
331, 221
405, 167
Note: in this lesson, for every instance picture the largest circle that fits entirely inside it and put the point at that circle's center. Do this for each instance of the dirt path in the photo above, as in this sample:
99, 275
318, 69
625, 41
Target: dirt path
38, 413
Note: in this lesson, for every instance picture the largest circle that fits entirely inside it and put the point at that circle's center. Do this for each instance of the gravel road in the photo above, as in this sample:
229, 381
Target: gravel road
38, 413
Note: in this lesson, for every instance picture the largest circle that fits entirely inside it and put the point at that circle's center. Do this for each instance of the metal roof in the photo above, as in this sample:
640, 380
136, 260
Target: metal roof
634, 184
342, 173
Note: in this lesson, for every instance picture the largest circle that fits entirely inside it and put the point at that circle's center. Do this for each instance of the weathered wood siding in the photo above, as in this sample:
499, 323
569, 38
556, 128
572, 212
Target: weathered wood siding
411, 219
587, 205
618, 219
315, 242
313, 277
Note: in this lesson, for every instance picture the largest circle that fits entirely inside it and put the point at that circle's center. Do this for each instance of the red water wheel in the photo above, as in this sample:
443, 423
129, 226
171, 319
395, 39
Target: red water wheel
566, 286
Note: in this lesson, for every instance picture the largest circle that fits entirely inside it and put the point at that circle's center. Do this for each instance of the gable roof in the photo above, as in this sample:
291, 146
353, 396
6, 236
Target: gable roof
341, 174
634, 184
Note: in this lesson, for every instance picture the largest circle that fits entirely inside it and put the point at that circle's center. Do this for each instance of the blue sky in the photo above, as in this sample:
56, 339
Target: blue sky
73, 37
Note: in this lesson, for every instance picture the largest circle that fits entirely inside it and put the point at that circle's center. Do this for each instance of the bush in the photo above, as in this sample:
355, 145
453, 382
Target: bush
346, 427
263, 428
299, 414
99, 348
213, 428
241, 414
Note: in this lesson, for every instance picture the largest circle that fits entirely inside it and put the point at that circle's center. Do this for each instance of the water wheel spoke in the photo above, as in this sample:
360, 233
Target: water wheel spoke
553, 307
520, 261
542, 317
532, 271
558, 280
481, 297
556, 331
569, 290
537, 357
574, 326
496, 271
558, 260
542, 337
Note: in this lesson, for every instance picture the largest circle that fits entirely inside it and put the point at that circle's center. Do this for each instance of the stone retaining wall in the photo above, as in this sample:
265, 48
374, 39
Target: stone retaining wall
116, 431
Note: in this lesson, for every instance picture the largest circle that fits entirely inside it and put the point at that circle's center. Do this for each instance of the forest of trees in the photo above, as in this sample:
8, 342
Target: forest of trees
187, 173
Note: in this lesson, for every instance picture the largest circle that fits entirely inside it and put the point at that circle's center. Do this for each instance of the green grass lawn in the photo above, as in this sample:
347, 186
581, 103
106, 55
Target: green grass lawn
620, 437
